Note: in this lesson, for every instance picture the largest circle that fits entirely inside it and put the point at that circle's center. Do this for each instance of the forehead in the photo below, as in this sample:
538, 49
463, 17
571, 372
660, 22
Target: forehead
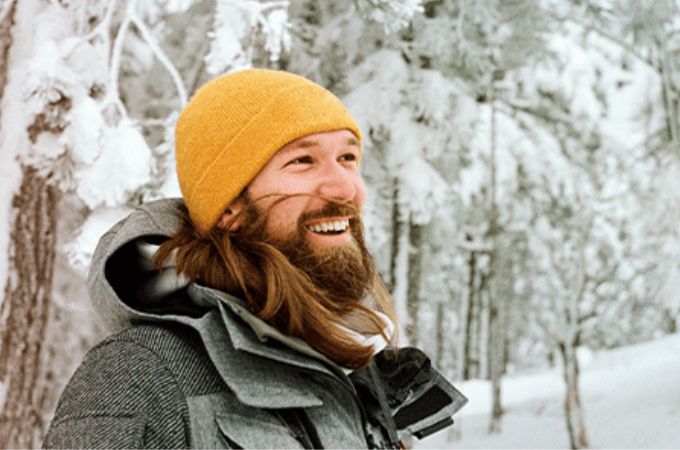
330, 139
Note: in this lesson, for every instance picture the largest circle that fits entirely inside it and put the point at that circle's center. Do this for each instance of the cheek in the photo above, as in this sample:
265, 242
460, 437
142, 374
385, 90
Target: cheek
283, 217
360, 197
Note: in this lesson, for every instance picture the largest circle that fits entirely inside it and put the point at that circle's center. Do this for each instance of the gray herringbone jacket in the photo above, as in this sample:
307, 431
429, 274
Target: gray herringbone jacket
194, 368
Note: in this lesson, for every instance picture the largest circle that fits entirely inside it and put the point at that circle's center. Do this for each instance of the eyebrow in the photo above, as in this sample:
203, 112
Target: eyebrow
309, 143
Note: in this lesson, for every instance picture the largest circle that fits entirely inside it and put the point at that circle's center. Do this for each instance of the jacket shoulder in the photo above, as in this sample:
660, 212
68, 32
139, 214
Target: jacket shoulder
179, 349
131, 391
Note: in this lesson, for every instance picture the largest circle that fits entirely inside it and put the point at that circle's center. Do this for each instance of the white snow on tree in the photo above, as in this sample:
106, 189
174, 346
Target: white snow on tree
234, 34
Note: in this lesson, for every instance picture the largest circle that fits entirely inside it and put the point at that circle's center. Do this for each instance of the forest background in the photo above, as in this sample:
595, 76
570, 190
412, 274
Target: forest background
521, 157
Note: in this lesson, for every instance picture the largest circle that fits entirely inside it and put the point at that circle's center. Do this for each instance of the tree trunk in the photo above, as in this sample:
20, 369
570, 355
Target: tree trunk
496, 361
396, 235
468, 314
572, 401
30, 258
482, 329
25, 311
496, 342
668, 94
441, 334
399, 260
415, 238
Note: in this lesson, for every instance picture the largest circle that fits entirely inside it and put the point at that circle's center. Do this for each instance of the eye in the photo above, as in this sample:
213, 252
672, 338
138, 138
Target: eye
300, 160
348, 157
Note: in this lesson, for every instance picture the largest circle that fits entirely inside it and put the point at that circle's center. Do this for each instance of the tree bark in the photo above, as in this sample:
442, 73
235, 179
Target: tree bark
572, 401
25, 311
5, 43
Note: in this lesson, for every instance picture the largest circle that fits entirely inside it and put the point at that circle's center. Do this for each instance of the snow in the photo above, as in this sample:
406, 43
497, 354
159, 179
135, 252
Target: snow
122, 168
423, 189
85, 132
379, 80
235, 21
231, 24
81, 249
275, 26
392, 14
153, 10
631, 399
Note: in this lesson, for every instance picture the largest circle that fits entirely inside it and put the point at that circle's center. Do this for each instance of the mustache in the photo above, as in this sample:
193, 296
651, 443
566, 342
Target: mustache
332, 208
256, 215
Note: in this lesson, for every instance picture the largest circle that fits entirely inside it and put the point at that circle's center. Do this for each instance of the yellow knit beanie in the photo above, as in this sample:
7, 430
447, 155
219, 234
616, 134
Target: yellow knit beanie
233, 126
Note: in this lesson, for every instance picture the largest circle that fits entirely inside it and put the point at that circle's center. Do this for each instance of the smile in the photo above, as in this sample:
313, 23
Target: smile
329, 227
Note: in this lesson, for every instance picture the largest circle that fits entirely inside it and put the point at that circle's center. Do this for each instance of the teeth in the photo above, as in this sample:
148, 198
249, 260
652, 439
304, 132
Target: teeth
338, 225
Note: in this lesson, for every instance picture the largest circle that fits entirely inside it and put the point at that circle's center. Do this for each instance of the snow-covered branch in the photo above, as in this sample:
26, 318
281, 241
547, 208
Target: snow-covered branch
112, 94
236, 25
5, 8
162, 57
102, 29
393, 15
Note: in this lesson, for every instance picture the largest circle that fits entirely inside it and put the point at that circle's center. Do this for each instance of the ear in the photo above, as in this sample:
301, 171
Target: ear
232, 215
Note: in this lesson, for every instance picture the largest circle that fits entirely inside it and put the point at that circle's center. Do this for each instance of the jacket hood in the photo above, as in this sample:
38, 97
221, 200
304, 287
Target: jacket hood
125, 287
121, 276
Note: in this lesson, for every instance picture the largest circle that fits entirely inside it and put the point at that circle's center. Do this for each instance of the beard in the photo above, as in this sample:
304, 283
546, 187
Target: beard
344, 272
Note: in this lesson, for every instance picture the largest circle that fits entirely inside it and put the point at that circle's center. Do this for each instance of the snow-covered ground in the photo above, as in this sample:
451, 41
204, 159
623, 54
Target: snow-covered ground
631, 399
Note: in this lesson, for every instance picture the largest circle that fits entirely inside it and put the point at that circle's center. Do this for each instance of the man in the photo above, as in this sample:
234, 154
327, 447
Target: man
251, 313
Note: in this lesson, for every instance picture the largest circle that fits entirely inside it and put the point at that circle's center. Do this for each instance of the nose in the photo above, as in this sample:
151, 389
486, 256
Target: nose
338, 182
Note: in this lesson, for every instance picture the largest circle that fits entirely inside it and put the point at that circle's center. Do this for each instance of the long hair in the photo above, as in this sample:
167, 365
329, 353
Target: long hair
277, 291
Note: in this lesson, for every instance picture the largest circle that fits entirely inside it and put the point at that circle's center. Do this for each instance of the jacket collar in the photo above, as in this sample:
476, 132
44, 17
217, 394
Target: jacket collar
243, 349
257, 382
251, 334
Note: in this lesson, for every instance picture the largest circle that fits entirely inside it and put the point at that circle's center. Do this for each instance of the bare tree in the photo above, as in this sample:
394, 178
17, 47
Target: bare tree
565, 327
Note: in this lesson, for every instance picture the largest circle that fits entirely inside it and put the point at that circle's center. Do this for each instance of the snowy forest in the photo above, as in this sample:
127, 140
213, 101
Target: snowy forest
522, 160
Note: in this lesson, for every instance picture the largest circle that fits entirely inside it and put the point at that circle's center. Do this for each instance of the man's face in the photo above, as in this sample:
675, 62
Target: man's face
292, 185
